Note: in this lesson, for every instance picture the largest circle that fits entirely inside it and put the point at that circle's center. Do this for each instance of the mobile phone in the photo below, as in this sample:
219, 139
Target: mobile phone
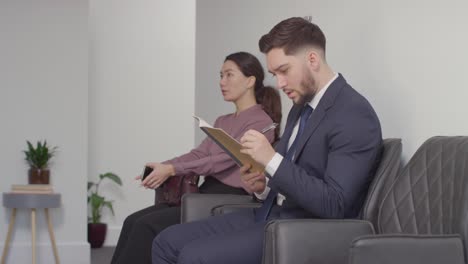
146, 171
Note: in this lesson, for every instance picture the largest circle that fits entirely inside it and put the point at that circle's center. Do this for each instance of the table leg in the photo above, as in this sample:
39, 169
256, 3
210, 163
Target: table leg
52, 237
33, 234
8, 237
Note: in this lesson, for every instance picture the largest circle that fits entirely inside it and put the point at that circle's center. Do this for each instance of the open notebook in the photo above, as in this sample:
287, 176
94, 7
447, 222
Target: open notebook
230, 145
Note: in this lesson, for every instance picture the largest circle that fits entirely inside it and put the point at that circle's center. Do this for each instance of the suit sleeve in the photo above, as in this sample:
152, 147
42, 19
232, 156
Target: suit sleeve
353, 148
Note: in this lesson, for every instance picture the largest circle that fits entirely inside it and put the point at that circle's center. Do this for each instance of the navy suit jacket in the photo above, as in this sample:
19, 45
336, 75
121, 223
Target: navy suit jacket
335, 158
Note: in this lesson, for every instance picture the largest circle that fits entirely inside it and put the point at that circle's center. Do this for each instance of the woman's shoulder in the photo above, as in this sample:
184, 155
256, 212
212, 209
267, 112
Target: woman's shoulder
258, 114
223, 118
255, 114
256, 120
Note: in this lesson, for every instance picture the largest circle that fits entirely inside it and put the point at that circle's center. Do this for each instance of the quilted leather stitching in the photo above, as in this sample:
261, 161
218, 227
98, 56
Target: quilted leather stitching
384, 177
426, 196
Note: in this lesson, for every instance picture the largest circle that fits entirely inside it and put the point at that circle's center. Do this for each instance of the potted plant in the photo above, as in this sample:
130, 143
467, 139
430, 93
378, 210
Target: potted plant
97, 230
38, 159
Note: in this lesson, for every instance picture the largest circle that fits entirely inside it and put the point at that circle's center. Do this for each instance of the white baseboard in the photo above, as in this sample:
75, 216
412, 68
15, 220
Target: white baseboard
113, 233
69, 253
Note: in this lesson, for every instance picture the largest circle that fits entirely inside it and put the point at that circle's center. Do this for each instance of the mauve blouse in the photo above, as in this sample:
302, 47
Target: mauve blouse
210, 160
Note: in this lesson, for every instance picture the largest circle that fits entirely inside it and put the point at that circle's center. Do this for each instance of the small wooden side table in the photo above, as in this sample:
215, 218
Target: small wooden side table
33, 202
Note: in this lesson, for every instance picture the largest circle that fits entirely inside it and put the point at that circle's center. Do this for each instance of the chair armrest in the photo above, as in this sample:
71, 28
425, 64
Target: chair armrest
407, 249
230, 208
311, 240
196, 206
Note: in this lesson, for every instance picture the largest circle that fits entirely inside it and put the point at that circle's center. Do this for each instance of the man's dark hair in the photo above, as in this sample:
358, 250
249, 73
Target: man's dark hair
291, 35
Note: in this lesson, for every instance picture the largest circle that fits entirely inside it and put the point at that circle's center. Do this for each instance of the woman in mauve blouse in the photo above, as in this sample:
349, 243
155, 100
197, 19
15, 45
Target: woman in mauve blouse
257, 106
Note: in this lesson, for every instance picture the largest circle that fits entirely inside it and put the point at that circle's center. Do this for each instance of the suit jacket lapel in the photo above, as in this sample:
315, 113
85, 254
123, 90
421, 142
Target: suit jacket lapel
311, 125
282, 147
319, 113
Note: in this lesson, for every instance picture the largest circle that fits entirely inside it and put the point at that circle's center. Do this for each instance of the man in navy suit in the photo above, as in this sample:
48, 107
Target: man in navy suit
321, 167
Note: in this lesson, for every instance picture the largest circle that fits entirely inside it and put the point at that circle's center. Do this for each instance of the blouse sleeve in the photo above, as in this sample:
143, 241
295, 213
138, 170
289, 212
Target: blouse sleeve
200, 161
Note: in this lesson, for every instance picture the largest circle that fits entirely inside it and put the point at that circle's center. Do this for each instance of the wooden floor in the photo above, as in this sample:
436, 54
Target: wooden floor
102, 255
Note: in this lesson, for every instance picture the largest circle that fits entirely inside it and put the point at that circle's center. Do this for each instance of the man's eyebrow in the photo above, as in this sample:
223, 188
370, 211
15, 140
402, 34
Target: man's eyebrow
278, 68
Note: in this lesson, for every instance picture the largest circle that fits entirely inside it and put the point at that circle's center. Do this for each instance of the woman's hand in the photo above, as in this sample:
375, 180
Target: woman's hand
161, 172
254, 181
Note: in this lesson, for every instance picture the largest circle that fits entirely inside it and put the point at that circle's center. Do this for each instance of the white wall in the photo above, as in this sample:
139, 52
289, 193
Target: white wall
225, 27
142, 68
44, 95
407, 57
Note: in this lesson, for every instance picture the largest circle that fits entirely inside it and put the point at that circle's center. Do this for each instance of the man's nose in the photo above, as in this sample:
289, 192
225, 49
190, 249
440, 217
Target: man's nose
281, 81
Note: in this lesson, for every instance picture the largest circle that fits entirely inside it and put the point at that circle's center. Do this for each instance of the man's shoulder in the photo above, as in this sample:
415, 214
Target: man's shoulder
351, 109
353, 119
349, 99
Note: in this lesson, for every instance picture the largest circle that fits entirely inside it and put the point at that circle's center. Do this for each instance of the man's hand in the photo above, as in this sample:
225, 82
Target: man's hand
254, 181
256, 145
161, 172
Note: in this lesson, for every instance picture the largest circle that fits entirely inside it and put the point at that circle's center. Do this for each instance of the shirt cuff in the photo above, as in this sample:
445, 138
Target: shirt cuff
273, 165
262, 196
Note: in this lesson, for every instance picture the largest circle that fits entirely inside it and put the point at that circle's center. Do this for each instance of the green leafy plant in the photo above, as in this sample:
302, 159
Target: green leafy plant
97, 201
38, 157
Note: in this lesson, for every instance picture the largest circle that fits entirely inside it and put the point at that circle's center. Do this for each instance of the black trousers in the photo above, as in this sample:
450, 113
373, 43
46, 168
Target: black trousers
140, 228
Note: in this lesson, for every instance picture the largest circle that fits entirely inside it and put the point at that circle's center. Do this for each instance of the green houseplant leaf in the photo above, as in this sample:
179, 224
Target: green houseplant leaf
108, 204
98, 202
38, 157
111, 176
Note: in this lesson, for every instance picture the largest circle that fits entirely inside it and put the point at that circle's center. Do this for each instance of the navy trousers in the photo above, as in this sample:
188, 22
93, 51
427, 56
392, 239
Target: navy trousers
232, 238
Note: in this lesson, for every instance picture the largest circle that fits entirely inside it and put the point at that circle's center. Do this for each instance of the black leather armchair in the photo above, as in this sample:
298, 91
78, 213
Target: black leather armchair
407, 249
198, 206
421, 217
327, 241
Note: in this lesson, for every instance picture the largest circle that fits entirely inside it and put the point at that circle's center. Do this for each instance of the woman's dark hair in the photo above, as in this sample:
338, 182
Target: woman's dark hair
267, 96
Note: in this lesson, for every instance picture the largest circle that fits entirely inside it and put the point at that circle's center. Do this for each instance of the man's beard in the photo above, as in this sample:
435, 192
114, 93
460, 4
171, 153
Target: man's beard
308, 85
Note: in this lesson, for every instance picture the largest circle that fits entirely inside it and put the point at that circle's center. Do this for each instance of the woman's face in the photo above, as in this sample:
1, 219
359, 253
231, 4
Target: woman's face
234, 84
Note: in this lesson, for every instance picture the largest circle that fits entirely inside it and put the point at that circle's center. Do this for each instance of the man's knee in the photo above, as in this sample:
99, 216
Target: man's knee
162, 246
194, 253
190, 255
157, 248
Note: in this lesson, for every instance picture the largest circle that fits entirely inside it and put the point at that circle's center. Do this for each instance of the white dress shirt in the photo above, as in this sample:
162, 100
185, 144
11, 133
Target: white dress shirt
275, 162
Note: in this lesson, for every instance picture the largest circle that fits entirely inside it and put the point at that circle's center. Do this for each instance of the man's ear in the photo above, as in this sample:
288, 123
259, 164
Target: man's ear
313, 58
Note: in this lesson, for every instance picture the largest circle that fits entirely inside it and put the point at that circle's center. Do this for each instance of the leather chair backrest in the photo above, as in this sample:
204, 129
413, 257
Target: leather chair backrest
386, 173
429, 196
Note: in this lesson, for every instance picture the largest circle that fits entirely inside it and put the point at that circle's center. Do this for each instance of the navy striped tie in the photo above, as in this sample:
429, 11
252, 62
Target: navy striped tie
261, 214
